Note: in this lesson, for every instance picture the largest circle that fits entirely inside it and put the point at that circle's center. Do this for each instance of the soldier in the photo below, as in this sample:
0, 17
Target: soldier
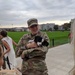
32, 53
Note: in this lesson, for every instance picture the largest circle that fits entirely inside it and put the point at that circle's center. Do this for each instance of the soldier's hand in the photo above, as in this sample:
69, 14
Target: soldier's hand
31, 45
22, 55
19, 51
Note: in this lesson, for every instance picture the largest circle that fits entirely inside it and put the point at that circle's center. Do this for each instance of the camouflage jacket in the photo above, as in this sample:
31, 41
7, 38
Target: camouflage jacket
30, 52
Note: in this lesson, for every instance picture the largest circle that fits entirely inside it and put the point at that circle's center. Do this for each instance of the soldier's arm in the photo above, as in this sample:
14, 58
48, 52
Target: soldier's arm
21, 42
30, 53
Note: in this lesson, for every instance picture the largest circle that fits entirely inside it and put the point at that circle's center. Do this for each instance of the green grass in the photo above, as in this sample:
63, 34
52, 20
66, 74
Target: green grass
58, 36
16, 35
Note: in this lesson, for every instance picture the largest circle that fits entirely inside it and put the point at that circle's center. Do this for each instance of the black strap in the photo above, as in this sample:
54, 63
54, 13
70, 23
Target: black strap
8, 63
4, 64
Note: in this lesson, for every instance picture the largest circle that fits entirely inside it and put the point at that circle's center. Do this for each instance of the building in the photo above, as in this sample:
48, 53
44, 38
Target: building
60, 27
48, 26
14, 29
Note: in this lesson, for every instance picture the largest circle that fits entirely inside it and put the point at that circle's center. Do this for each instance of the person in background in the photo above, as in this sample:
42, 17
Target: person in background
1, 57
70, 36
8, 52
33, 52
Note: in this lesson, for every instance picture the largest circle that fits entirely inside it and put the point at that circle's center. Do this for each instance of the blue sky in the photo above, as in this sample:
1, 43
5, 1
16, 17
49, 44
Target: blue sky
17, 12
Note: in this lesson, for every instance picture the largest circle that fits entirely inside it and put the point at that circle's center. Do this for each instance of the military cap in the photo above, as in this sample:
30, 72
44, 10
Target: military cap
32, 21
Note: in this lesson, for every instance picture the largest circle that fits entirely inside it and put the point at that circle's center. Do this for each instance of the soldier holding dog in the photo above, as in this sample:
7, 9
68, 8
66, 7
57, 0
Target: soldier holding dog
33, 52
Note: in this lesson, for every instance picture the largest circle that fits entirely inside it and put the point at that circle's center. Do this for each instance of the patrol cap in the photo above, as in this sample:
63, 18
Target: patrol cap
32, 21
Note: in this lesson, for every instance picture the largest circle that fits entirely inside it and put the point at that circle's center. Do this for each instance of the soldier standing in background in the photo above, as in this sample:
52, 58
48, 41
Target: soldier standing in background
32, 53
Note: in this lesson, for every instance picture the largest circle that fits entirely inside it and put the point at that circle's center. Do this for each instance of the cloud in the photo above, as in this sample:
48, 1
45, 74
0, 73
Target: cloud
19, 11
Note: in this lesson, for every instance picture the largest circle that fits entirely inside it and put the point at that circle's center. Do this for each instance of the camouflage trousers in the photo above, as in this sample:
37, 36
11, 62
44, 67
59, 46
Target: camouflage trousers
32, 67
34, 72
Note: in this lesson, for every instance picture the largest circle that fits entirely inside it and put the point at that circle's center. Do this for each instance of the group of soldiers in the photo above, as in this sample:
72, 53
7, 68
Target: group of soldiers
32, 48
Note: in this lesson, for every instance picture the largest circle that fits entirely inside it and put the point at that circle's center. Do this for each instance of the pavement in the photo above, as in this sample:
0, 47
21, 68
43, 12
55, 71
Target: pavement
59, 60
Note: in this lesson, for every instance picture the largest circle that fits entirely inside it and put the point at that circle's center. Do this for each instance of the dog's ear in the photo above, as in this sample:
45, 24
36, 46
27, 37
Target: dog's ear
45, 43
38, 39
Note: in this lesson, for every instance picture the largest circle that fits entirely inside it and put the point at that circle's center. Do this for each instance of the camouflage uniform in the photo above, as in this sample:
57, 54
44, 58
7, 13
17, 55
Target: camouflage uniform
36, 62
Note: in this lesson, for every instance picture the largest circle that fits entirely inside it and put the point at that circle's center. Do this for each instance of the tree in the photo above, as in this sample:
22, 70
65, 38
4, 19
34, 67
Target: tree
67, 26
50, 29
56, 27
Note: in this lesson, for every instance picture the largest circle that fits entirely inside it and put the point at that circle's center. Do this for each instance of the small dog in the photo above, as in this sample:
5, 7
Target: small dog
40, 41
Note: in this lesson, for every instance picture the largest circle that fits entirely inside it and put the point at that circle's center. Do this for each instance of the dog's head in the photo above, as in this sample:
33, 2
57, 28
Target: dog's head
40, 41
